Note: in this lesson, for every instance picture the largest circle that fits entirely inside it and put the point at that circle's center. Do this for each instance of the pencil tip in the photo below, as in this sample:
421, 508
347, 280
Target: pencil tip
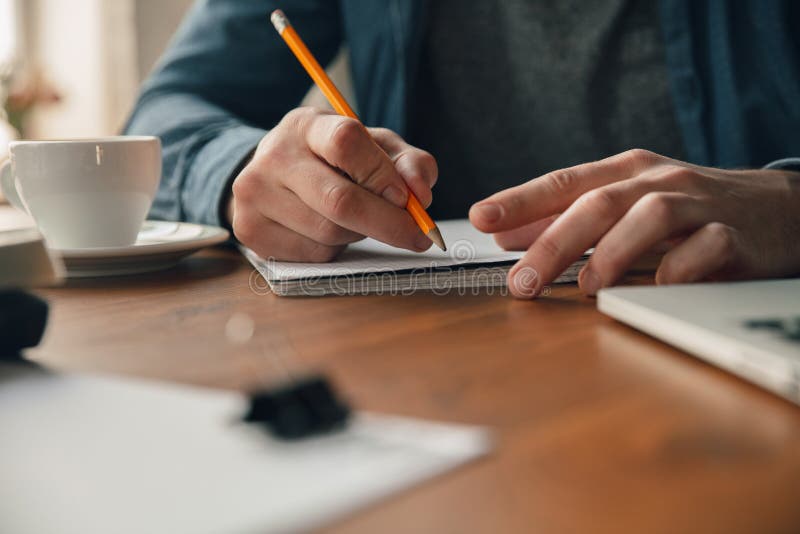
436, 236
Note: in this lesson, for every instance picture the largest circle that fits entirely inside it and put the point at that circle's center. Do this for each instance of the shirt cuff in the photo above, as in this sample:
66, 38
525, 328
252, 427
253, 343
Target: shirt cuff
212, 170
787, 164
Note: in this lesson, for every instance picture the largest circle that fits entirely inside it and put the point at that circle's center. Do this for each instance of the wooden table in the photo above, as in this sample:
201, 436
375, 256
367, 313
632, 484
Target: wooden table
599, 428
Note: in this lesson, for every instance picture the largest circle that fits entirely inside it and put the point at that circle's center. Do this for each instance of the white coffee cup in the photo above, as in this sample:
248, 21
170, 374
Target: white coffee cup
84, 193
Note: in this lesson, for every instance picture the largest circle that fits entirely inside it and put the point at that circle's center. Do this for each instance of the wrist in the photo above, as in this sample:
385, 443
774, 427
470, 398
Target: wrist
226, 200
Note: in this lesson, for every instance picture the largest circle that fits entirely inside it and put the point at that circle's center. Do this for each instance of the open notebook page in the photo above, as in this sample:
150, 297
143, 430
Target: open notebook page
465, 246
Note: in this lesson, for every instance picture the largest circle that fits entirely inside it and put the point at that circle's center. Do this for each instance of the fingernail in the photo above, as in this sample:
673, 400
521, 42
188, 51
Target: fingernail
396, 196
489, 212
422, 242
589, 281
524, 281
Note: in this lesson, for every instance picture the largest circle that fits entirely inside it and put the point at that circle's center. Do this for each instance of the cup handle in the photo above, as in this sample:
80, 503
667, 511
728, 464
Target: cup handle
8, 186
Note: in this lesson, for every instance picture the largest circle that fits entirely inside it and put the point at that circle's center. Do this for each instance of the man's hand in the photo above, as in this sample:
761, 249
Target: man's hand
715, 224
319, 181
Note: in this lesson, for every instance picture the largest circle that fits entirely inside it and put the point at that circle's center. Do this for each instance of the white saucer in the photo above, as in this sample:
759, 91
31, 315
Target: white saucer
160, 245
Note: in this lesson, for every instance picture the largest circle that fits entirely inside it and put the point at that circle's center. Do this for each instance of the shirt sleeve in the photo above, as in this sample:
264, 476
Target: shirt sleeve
225, 80
788, 164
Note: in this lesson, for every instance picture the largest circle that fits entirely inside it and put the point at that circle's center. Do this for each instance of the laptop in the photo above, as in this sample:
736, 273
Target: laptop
751, 329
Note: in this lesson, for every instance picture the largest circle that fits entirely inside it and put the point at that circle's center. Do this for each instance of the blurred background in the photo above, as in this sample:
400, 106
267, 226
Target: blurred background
72, 68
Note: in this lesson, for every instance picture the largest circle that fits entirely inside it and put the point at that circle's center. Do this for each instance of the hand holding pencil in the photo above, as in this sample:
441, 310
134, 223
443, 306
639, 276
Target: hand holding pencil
319, 181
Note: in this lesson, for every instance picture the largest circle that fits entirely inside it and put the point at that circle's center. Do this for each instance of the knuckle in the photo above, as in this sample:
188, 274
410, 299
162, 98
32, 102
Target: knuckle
515, 201
430, 167
266, 143
658, 206
245, 187
273, 147
382, 134
679, 177
420, 165
639, 156
338, 200
376, 178
561, 181
344, 137
417, 157
298, 118
601, 202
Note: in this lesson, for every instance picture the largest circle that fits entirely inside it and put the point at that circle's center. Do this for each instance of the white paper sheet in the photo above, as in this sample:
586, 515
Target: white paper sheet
465, 246
87, 454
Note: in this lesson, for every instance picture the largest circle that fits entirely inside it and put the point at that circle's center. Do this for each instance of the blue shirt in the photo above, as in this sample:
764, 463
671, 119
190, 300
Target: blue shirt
227, 78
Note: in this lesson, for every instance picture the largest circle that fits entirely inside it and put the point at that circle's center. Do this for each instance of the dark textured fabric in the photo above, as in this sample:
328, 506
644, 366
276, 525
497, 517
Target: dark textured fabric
734, 73
511, 89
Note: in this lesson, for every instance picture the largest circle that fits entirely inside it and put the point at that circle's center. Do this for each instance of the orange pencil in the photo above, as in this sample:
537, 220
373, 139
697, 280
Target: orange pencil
341, 106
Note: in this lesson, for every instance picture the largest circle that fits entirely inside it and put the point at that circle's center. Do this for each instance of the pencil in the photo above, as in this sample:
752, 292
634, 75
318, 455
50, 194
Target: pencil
328, 88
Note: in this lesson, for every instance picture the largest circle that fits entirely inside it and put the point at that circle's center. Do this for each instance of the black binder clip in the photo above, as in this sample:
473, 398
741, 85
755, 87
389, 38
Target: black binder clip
23, 318
299, 409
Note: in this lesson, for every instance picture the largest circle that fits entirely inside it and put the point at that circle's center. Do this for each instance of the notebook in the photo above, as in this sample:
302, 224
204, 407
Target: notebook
751, 329
473, 262
25, 260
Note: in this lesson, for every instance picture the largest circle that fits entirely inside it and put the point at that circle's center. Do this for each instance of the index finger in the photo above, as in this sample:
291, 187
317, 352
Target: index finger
555, 192
351, 206
344, 143
417, 167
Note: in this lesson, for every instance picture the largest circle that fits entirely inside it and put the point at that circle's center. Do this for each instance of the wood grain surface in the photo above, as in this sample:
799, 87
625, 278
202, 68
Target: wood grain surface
599, 428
